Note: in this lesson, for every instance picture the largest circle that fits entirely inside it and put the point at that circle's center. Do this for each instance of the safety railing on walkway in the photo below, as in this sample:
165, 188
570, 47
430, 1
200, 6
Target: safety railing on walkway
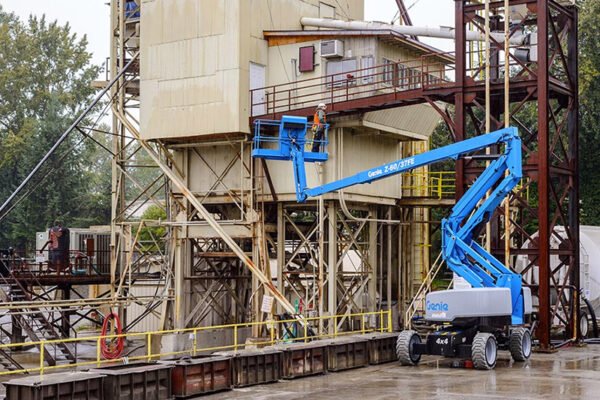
94, 262
275, 332
432, 184
389, 78
442, 185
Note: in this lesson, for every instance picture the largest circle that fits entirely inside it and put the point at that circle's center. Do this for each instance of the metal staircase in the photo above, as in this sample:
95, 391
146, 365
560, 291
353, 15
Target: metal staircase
9, 363
34, 323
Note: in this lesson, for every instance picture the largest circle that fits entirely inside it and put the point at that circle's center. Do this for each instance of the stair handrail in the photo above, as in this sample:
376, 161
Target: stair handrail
425, 287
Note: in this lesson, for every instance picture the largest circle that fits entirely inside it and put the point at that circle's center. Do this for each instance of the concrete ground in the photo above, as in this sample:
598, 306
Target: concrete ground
572, 373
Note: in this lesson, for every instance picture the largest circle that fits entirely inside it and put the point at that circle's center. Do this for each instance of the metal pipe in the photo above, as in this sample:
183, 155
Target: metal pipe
321, 261
440, 32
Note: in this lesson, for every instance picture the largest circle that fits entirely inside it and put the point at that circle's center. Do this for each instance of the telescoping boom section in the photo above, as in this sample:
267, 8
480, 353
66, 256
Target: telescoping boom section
460, 229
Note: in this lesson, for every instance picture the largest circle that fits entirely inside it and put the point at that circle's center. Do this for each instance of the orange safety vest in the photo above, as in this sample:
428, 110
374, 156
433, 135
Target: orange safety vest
316, 121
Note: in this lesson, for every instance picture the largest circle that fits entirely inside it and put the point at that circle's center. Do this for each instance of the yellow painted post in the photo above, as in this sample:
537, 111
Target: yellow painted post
381, 320
42, 359
195, 342
235, 338
440, 186
389, 327
149, 344
335, 326
98, 345
305, 331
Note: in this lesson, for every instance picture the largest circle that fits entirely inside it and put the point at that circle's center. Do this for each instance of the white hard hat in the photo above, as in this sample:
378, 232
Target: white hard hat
321, 105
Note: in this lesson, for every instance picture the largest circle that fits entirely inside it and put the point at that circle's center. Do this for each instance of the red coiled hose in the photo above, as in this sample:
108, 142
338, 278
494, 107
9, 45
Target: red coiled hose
113, 347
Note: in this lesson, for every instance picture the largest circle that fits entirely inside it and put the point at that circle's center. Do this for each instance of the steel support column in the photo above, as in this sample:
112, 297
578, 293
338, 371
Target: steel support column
543, 330
547, 199
573, 137
459, 96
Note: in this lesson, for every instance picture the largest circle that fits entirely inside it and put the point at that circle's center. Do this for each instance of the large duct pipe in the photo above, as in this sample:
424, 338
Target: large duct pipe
441, 32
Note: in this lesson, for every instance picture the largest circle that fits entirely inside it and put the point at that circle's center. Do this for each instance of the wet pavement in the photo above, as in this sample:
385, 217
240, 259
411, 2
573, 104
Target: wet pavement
572, 373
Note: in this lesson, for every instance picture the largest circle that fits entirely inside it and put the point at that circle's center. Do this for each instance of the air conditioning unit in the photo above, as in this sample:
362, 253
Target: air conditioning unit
332, 48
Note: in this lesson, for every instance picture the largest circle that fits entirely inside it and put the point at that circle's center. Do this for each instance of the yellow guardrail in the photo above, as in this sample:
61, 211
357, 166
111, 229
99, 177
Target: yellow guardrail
382, 323
440, 184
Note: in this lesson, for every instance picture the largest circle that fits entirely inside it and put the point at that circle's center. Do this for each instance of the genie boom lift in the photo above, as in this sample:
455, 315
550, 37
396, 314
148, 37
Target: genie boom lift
471, 323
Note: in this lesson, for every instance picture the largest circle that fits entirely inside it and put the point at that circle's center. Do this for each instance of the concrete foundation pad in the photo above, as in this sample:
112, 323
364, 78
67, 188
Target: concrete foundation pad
571, 373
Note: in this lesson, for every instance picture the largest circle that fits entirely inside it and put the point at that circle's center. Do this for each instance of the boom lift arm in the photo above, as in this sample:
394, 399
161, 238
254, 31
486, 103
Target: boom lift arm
462, 253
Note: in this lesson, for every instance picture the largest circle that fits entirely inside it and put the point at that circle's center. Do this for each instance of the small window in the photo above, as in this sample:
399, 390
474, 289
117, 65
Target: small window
341, 71
388, 72
432, 79
403, 77
326, 11
415, 78
409, 78
367, 64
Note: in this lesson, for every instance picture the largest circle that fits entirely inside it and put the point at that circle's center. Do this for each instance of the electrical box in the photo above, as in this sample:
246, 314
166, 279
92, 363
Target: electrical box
332, 48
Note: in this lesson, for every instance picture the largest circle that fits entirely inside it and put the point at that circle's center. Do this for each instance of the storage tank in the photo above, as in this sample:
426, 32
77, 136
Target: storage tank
589, 264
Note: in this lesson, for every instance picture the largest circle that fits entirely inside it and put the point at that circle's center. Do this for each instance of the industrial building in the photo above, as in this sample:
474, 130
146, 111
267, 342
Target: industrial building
238, 269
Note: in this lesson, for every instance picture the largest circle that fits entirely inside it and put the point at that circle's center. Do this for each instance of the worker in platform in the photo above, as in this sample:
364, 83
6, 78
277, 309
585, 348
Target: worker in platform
318, 128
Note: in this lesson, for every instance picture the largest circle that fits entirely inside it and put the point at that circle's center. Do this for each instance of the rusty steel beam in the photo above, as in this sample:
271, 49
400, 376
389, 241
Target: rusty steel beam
544, 324
404, 16
398, 98
480, 5
460, 56
573, 135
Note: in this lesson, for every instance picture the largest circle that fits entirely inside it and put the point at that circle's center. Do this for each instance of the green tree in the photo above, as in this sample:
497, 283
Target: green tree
94, 202
151, 237
45, 76
589, 148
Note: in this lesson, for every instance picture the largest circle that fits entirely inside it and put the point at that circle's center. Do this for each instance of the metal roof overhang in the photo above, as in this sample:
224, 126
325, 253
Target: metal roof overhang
285, 37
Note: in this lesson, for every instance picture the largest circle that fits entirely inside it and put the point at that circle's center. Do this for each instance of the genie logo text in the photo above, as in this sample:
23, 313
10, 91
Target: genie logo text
441, 306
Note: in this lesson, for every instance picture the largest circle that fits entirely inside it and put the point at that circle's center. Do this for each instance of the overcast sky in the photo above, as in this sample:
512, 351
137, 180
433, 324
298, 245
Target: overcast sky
91, 17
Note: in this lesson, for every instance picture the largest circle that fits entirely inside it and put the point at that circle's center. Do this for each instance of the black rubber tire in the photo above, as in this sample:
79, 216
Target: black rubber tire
592, 319
584, 324
520, 344
404, 348
484, 351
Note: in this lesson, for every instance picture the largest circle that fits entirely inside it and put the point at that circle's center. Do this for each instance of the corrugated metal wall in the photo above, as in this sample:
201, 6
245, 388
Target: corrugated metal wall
196, 56
151, 322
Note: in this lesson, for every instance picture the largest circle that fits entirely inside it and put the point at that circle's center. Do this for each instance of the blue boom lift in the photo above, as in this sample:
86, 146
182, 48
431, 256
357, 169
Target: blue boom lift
472, 323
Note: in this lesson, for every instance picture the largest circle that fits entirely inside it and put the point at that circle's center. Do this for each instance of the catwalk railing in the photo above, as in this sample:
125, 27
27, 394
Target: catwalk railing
391, 78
